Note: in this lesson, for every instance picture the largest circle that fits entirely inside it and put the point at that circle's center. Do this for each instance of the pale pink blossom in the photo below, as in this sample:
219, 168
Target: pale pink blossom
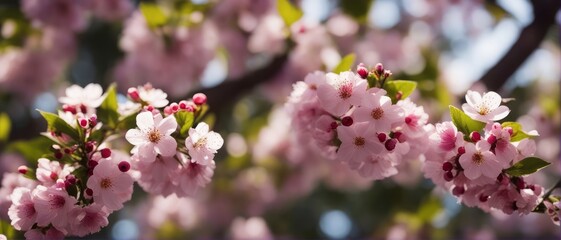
22, 212
153, 136
194, 176
358, 143
111, 187
153, 96
112, 9
87, 220
504, 150
525, 148
157, 177
341, 92
89, 96
414, 118
378, 110
484, 108
53, 206
11, 181
203, 144
51, 234
376, 167
63, 14
447, 136
48, 172
250, 229
269, 36
479, 160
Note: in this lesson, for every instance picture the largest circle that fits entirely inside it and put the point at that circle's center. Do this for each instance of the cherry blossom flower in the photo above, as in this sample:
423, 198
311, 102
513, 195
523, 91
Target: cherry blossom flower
22, 212
63, 14
51, 234
153, 136
87, 220
111, 187
156, 177
504, 150
202, 143
89, 96
377, 166
52, 206
378, 110
485, 108
448, 136
358, 143
479, 160
153, 96
48, 172
194, 176
341, 92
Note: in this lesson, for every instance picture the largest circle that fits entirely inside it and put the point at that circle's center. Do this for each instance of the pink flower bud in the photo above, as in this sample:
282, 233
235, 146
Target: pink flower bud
90, 146
68, 108
93, 120
362, 71
71, 179
475, 136
491, 139
483, 198
379, 69
461, 150
347, 121
458, 190
448, 176
387, 73
124, 166
390, 144
133, 94
92, 164
168, 111
174, 107
183, 104
22, 169
199, 98
399, 136
58, 154
89, 192
334, 125
105, 153
447, 166
382, 137
83, 122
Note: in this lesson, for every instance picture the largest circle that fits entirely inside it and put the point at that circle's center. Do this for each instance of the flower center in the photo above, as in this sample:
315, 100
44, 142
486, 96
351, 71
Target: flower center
377, 113
57, 201
200, 143
477, 158
345, 91
105, 183
359, 141
313, 86
484, 110
29, 210
154, 135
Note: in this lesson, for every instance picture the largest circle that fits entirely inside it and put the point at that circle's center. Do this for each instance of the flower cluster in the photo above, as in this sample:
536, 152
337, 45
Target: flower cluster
359, 118
484, 162
72, 190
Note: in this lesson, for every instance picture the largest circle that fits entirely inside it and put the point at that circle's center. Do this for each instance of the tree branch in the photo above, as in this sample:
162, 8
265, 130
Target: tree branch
529, 40
228, 92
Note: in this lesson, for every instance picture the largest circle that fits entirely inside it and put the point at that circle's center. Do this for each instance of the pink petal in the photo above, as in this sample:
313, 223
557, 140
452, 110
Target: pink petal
492, 100
168, 125
145, 121
473, 98
146, 152
135, 137
166, 146
500, 113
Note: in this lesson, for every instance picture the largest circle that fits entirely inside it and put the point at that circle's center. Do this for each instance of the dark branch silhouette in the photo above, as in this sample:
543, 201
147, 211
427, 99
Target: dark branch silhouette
529, 40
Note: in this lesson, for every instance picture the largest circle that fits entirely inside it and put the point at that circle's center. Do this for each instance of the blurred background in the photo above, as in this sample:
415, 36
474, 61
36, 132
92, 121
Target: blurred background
244, 57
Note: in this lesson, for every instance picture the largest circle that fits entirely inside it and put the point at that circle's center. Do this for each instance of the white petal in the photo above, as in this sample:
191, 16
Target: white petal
500, 113
492, 100
135, 137
473, 98
214, 140
166, 146
145, 121
202, 128
146, 152
168, 125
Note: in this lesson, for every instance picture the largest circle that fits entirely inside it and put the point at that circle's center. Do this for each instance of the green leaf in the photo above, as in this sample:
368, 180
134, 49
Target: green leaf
517, 133
184, 121
399, 86
32, 149
358, 9
526, 166
463, 122
345, 64
153, 14
107, 112
57, 124
5, 126
127, 122
289, 13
